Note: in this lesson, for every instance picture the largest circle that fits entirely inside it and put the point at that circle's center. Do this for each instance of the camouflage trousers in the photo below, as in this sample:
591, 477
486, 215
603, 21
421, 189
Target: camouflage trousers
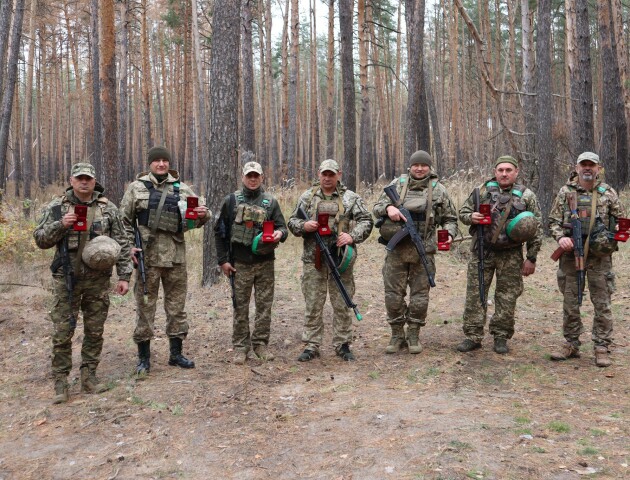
506, 264
398, 273
261, 278
315, 286
601, 284
174, 281
91, 296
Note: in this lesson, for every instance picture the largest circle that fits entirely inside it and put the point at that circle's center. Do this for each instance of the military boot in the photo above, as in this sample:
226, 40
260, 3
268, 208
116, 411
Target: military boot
263, 353
61, 389
144, 356
500, 346
566, 351
601, 356
176, 358
89, 381
413, 330
397, 342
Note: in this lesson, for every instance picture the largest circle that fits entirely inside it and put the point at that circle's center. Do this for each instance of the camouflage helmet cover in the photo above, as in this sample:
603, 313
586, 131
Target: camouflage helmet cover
101, 253
522, 228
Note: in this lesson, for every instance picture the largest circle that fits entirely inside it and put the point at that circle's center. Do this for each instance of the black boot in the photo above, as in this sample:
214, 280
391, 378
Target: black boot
176, 357
144, 354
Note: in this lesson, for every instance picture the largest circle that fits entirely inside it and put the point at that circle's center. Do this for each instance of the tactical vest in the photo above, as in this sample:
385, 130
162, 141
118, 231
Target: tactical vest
249, 217
337, 219
584, 206
417, 202
170, 219
494, 234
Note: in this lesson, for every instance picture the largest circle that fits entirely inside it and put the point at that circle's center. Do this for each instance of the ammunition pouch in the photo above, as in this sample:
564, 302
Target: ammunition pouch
170, 219
601, 243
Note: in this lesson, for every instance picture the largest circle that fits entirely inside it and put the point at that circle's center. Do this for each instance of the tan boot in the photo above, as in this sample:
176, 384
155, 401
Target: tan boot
601, 357
566, 351
61, 389
239, 357
413, 330
263, 353
89, 381
397, 342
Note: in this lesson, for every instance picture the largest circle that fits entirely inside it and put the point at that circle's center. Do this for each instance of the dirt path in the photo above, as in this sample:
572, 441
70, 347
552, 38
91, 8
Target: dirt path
440, 414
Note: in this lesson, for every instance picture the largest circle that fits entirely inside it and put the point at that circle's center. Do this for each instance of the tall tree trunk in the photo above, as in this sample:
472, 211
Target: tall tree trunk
123, 89
349, 167
544, 143
222, 164
28, 114
202, 123
366, 148
6, 108
582, 83
146, 79
314, 94
614, 145
248, 132
111, 165
6, 14
273, 124
528, 86
294, 66
330, 83
285, 90
97, 117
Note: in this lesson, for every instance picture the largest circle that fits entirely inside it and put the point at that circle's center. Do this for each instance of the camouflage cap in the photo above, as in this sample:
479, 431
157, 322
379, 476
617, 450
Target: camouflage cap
506, 159
329, 165
590, 156
252, 167
79, 169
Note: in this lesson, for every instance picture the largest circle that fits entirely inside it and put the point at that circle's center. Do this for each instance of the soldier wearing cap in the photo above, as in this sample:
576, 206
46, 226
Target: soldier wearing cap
243, 253
86, 250
428, 202
155, 203
598, 209
349, 223
516, 220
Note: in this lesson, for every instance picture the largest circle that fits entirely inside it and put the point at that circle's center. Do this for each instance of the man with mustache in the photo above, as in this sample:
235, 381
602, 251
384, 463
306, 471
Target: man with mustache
598, 209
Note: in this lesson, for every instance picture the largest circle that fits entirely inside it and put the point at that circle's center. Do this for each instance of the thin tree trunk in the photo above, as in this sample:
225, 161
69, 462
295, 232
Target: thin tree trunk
582, 83
6, 14
123, 87
146, 79
314, 93
292, 99
28, 115
7, 99
330, 83
97, 122
248, 132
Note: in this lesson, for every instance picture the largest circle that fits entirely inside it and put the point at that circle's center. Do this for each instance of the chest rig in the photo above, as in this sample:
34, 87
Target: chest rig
249, 217
587, 208
163, 212
504, 207
330, 214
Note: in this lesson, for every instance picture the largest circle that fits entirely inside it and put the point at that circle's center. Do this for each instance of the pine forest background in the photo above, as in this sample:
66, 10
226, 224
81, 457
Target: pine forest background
290, 83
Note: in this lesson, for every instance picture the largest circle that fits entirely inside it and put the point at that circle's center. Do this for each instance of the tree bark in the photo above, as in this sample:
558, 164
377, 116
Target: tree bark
544, 101
28, 115
97, 118
330, 83
222, 163
349, 167
292, 99
6, 109
582, 84
248, 132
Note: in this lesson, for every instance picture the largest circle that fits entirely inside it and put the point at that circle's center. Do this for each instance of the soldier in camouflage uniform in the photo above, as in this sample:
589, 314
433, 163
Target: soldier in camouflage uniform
90, 292
428, 202
504, 255
251, 261
328, 197
598, 209
155, 203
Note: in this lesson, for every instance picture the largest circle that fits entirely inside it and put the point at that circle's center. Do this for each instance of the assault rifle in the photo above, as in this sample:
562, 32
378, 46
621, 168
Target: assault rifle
481, 254
68, 276
332, 267
225, 232
141, 265
575, 225
408, 230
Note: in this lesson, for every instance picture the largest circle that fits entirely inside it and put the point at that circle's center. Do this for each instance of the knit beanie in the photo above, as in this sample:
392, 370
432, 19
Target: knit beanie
156, 153
506, 159
421, 157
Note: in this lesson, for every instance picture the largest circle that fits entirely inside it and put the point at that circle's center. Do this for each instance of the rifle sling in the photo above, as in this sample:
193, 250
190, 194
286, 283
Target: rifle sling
590, 227
83, 236
158, 213
503, 221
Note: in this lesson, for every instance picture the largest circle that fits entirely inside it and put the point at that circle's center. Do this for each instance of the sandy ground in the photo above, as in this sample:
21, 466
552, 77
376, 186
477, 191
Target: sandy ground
437, 415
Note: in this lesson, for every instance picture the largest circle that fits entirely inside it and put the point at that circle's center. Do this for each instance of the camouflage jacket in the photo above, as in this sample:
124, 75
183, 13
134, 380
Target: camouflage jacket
164, 248
443, 212
106, 221
242, 253
355, 220
531, 205
608, 206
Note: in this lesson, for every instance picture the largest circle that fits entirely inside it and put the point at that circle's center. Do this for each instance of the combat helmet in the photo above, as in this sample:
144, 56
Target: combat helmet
601, 242
346, 258
522, 228
261, 248
101, 253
